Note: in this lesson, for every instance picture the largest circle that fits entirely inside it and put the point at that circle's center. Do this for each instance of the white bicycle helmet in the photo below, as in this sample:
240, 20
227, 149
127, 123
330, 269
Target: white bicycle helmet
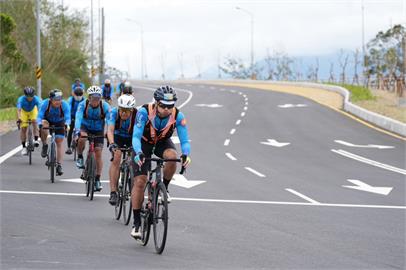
126, 102
94, 89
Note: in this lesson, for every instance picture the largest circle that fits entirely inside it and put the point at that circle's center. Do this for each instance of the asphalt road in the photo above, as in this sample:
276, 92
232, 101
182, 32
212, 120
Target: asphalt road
261, 206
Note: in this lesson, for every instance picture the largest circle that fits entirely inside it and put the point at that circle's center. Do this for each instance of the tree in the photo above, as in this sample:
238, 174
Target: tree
342, 61
235, 68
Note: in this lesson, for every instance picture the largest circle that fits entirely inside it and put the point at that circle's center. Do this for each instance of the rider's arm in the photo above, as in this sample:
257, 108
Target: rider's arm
111, 123
142, 117
79, 115
42, 109
66, 112
19, 106
183, 134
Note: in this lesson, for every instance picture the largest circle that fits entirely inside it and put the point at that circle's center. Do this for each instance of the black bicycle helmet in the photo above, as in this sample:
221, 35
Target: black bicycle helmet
55, 93
78, 91
29, 91
165, 94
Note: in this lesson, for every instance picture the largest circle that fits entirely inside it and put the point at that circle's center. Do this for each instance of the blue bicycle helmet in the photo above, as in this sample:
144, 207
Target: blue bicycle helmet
166, 95
29, 91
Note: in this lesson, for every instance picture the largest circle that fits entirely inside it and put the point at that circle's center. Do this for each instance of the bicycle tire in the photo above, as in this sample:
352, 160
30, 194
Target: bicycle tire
119, 206
160, 217
146, 215
74, 154
91, 175
87, 186
30, 147
130, 204
52, 162
29, 156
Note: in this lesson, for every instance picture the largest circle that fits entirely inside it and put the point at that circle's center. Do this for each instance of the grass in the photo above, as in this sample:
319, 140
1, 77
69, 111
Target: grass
358, 93
8, 114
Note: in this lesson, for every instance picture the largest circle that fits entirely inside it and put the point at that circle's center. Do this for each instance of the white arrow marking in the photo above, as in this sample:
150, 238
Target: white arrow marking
368, 188
79, 181
364, 146
209, 105
291, 105
275, 143
181, 181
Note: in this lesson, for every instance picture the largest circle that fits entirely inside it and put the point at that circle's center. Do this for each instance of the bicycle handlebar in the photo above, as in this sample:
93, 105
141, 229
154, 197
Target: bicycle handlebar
162, 160
122, 149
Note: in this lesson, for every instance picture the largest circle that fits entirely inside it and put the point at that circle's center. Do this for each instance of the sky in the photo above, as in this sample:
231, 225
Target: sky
200, 34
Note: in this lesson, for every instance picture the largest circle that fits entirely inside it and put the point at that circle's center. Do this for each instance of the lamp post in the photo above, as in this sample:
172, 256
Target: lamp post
143, 63
38, 48
252, 39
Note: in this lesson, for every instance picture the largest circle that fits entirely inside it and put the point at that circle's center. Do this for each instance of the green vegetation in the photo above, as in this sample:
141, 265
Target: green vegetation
8, 114
64, 48
358, 93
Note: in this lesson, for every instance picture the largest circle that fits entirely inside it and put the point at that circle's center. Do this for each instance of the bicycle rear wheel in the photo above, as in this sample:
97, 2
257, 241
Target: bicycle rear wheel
119, 205
146, 215
160, 217
52, 162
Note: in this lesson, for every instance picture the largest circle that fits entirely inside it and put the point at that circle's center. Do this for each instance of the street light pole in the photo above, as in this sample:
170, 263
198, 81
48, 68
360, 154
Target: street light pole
143, 62
252, 39
91, 41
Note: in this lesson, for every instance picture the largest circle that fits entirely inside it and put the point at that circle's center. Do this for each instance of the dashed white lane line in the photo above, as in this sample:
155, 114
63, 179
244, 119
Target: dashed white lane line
227, 142
369, 161
402, 207
240, 93
232, 131
302, 196
255, 172
232, 91
245, 108
10, 153
246, 103
238, 122
242, 114
230, 156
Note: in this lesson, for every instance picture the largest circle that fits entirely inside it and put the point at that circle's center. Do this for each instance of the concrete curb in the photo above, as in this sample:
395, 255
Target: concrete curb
371, 117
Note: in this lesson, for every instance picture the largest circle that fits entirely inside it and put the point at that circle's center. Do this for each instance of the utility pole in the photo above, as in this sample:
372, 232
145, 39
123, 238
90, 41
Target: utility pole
253, 75
102, 45
99, 39
91, 42
364, 57
38, 69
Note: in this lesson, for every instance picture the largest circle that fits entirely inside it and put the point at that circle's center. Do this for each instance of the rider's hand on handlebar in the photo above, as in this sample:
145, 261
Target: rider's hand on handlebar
113, 147
18, 123
139, 159
185, 160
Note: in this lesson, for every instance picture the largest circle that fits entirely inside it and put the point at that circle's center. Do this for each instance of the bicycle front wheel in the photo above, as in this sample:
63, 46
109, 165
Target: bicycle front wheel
127, 205
91, 170
52, 162
119, 205
160, 217
146, 215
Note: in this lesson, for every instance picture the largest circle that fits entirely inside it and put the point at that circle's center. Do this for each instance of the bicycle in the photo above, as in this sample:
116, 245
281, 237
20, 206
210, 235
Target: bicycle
124, 186
74, 151
154, 210
89, 172
51, 155
30, 145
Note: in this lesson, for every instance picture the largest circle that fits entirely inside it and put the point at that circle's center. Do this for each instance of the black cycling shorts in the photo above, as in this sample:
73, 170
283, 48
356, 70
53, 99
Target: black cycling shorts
122, 141
98, 142
147, 148
60, 132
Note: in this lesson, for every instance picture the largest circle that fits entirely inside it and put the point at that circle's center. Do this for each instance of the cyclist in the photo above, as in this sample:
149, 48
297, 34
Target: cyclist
73, 101
77, 83
120, 127
126, 89
89, 119
107, 90
120, 88
154, 127
27, 109
54, 111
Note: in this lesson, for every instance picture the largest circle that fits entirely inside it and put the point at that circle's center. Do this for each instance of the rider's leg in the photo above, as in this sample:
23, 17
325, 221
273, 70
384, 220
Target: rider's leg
81, 143
23, 135
59, 149
99, 162
137, 197
44, 132
114, 171
170, 167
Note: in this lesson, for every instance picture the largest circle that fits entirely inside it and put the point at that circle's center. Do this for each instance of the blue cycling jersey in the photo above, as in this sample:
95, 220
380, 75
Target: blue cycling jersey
54, 115
23, 103
123, 131
107, 91
159, 124
94, 121
73, 107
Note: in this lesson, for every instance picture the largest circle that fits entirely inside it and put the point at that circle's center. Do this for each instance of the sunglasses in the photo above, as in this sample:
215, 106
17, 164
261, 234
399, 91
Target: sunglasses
165, 106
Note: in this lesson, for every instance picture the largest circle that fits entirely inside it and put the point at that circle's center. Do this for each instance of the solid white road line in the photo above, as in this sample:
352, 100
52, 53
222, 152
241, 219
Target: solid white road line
232, 131
402, 207
227, 142
369, 161
238, 122
302, 196
242, 114
230, 156
10, 153
254, 172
